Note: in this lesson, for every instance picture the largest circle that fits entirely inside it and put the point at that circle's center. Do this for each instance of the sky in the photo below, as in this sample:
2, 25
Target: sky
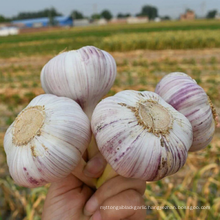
173, 8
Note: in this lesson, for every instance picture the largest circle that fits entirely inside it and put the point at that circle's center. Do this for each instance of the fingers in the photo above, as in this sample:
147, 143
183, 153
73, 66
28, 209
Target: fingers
110, 189
114, 208
78, 172
68, 184
65, 198
95, 166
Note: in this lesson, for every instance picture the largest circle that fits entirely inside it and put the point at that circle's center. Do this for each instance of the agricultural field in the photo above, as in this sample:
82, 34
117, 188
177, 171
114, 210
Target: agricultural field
144, 54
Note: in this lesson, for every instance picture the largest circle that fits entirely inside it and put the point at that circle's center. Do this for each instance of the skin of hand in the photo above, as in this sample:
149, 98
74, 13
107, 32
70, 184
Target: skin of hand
71, 199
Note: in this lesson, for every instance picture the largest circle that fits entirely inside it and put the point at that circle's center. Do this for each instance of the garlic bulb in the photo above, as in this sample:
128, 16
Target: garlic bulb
140, 135
46, 141
187, 97
84, 75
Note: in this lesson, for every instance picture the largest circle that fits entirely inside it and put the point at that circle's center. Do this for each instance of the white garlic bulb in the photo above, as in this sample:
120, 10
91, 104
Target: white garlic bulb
187, 97
140, 135
46, 141
84, 75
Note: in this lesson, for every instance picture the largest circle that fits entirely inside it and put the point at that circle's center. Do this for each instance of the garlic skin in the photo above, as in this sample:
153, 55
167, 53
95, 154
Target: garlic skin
187, 97
84, 75
46, 141
140, 135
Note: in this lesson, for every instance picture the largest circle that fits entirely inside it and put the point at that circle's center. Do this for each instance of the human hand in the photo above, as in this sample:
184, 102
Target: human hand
66, 199
118, 191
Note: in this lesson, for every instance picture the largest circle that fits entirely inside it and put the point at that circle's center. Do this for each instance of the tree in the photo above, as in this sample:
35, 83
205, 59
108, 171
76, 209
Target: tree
77, 15
120, 15
211, 14
106, 14
96, 16
150, 11
52, 12
166, 17
3, 19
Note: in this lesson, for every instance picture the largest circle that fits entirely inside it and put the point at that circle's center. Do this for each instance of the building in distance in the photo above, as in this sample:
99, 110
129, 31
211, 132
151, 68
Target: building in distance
189, 15
45, 22
81, 22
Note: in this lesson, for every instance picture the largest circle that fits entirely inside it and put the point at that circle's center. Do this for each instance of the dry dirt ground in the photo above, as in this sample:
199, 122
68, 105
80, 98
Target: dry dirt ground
28, 69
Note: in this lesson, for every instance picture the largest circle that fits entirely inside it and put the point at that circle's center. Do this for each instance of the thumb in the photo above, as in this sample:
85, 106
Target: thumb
95, 166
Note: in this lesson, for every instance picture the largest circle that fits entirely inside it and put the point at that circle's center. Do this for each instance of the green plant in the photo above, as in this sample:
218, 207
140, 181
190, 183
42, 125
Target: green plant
29, 96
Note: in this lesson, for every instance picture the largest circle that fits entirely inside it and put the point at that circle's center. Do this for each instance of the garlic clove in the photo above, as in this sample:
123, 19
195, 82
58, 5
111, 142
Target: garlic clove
187, 97
46, 141
84, 75
140, 135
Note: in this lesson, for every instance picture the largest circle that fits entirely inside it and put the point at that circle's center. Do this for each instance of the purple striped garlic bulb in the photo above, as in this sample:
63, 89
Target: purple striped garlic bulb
187, 97
140, 135
84, 75
46, 141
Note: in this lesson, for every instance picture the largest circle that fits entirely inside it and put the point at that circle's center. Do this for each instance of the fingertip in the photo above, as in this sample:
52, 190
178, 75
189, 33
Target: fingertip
96, 216
91, 206
95, 166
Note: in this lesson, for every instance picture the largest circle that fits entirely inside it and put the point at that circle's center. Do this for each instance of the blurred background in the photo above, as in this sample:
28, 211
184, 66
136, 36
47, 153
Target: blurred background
148, 39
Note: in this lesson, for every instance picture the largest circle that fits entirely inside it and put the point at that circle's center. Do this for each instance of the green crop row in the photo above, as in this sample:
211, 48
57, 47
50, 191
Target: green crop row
161, 41
163, 35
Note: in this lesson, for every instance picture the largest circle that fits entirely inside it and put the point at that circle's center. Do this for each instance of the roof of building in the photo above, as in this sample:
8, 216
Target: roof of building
41, 20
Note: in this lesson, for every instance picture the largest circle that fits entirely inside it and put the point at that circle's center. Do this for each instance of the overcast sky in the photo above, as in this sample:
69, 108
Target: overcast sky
87, 7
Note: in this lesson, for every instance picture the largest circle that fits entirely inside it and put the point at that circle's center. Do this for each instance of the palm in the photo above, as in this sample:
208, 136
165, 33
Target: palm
66, 200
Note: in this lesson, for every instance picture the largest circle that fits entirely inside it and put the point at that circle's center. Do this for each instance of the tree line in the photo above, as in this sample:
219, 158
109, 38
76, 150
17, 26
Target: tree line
150, 11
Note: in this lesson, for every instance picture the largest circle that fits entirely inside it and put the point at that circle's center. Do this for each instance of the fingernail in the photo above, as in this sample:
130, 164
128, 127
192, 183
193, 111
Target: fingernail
97, 216
94, 167
91, 206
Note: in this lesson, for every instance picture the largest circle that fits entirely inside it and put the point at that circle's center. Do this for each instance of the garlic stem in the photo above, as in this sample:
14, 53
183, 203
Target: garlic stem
92, 148
88, 111
108, 174
78, 172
